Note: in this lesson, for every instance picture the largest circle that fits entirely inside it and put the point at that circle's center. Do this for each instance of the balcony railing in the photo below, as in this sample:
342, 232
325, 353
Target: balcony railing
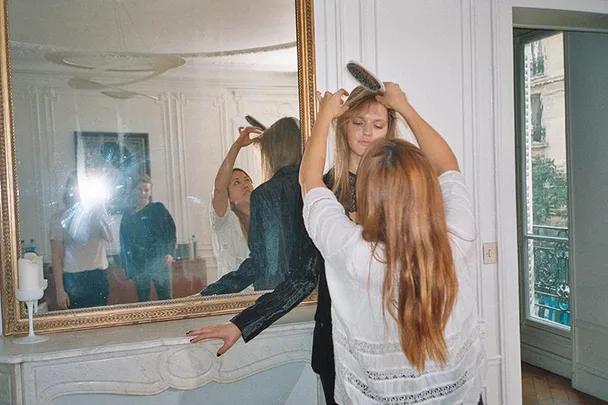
551, 275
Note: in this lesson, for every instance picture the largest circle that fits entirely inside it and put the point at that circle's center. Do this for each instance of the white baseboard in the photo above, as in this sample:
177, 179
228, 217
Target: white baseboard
547, 361
590, 381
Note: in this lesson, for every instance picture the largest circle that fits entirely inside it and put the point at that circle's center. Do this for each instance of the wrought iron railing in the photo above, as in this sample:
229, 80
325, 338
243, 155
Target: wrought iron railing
551, 276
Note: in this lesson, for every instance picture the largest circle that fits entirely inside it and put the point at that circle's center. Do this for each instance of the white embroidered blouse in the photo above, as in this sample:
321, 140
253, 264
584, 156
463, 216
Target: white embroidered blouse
370, 366
229, 244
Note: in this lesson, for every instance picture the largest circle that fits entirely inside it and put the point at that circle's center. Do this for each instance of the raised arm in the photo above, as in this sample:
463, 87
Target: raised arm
224, 173
431, 143
313, 161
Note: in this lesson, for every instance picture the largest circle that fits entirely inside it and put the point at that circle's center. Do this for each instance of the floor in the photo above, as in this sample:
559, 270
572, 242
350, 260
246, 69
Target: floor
540, 387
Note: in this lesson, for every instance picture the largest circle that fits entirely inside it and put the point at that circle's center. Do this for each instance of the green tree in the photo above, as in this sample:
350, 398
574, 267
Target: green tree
549, 192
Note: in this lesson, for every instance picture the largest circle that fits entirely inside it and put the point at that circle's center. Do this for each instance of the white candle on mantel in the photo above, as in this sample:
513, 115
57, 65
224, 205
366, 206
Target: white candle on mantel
29, 279
38, 259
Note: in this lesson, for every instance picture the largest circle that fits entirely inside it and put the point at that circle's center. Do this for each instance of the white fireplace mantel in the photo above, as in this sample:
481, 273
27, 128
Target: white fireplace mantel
119, 365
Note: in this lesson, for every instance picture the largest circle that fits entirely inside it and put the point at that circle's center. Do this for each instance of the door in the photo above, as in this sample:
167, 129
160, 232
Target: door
586, 56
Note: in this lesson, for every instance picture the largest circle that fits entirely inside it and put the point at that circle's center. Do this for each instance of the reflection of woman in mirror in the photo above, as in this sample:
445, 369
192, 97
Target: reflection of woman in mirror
415, 333
147, 242
229, 209
365, 120
78, 242
274, 218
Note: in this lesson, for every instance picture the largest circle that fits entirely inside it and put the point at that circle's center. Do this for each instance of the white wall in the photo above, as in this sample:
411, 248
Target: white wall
432, 50
190, 129
454, 59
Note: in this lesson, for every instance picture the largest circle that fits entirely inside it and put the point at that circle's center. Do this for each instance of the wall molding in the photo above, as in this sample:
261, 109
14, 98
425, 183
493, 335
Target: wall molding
546, 360
505, 191
546, 341
592, 326
590, 381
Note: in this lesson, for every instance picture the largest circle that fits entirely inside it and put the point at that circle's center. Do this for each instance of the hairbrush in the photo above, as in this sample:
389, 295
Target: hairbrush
366, 78
255, 123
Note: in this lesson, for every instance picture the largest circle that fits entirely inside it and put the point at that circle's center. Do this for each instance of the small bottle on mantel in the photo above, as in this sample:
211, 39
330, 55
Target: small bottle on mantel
32, 247
23, 251
194, 246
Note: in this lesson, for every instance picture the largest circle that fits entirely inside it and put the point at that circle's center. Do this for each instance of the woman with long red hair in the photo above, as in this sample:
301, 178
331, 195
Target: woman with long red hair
404, 320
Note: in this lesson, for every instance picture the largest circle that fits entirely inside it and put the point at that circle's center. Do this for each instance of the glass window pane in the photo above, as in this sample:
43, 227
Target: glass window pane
545, 199
545, 129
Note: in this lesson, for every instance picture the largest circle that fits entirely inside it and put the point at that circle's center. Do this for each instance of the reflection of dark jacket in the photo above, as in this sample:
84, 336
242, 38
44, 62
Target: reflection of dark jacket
146, 237
276, 231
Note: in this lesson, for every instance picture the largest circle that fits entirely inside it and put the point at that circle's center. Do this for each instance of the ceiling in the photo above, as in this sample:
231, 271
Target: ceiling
237, 32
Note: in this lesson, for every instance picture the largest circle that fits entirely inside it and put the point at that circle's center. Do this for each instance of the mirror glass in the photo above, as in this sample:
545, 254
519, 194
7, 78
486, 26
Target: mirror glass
124, 111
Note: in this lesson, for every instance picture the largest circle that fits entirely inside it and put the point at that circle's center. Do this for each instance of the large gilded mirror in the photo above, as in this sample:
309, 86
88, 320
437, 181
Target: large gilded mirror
116, 118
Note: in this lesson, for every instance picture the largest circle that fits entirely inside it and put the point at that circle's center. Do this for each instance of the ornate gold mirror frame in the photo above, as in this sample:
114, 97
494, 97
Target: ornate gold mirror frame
13, 316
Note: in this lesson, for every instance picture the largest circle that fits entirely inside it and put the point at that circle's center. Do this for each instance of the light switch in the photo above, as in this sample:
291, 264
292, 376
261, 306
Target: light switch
490, 253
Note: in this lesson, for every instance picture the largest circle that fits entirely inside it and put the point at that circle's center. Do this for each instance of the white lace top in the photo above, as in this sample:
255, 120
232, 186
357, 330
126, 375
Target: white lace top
370, 366
229, 245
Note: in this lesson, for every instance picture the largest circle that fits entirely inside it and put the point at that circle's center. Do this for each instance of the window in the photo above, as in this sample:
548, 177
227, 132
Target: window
538, 130
537, 61
543, 170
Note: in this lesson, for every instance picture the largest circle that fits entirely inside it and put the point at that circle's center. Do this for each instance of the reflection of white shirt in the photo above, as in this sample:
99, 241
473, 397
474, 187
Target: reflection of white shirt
84, 244
370, 366
229, 244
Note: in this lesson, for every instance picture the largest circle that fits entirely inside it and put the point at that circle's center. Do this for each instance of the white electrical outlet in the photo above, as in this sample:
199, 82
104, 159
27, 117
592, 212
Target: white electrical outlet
490, 253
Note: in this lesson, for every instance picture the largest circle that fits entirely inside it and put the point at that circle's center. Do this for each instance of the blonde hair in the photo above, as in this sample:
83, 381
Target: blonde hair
358, 99
280, 145
400, 206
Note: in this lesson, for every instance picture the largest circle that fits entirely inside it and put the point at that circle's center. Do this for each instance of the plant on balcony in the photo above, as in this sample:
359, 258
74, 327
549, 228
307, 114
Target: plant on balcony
549, 192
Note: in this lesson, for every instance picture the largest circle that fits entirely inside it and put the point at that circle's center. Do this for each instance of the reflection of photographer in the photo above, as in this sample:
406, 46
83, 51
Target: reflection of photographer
78, 241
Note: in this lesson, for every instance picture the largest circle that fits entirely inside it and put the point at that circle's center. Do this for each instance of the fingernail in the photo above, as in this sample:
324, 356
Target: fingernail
191, 340
218, 355
188, 332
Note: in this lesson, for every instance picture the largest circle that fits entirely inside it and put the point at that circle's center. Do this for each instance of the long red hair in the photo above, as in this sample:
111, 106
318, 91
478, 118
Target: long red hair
400, 207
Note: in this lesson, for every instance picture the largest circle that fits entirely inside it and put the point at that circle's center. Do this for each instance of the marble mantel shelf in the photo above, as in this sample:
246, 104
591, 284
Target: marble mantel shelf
102, 340
146, 359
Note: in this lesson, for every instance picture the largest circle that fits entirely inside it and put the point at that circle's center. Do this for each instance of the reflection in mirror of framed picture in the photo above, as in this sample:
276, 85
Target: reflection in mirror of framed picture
116, 120
114, 161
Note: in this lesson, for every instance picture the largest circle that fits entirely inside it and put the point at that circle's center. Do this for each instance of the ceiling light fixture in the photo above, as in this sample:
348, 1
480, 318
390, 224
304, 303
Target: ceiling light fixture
102, 68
